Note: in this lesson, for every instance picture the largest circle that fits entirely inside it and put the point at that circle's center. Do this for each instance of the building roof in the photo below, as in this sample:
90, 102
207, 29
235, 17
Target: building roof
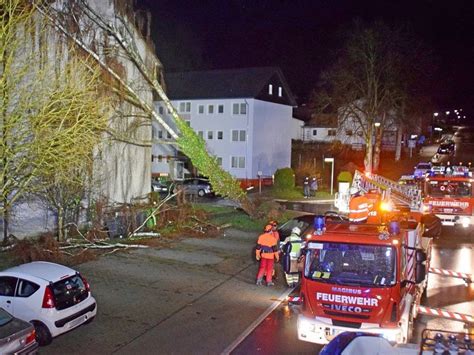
227, 83
323, 120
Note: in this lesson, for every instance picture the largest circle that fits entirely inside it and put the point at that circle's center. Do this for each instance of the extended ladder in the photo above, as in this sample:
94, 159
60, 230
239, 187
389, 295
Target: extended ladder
403, 194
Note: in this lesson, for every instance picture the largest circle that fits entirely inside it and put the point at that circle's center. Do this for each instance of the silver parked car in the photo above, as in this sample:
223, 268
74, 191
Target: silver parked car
195, 186
16, 335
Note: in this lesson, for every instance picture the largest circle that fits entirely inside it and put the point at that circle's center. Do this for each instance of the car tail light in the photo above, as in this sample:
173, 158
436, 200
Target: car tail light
86, 284
48, 298
30, 337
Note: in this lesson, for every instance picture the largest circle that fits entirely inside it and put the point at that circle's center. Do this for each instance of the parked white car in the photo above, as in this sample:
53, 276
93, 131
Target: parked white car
53, 297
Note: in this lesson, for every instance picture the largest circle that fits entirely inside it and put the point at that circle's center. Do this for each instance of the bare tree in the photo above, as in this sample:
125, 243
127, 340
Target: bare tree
120, 39
371, 84
49, 116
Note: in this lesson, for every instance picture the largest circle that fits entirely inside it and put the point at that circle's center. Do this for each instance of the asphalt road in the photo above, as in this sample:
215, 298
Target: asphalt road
453, 250
464, 153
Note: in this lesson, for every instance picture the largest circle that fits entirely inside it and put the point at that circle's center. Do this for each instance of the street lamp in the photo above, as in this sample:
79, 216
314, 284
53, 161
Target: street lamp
331, 160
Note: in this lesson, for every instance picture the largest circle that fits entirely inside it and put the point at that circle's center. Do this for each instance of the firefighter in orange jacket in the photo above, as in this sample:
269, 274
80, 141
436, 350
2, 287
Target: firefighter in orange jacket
266, 253
359, 207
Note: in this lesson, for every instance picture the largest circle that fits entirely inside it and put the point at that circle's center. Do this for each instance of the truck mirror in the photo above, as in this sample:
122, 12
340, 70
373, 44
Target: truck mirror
420, 256
286, 262
286, 248
420, 273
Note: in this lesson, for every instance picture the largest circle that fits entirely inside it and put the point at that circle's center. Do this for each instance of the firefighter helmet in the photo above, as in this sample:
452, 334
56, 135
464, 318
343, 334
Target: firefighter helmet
296, 231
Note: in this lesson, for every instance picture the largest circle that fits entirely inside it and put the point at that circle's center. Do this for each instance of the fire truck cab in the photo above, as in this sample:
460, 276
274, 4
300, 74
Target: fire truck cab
362, 277
448, 193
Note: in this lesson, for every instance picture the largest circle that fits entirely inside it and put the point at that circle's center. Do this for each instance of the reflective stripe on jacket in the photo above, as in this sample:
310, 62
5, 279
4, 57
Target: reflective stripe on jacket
295, 245
267, 246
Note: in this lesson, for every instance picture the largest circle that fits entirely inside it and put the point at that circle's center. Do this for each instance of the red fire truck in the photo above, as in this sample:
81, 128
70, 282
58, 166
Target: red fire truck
448, 193
362, 277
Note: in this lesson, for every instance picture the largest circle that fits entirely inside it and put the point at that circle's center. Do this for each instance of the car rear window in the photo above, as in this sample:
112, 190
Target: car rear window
69, 292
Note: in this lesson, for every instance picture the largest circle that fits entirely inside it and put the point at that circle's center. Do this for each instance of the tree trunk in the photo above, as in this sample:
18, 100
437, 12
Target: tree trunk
6, 221
60, 224
378, 148
369, 150
398, 149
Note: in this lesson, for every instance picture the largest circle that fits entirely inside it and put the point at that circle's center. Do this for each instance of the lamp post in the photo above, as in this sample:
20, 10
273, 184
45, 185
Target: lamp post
331, 160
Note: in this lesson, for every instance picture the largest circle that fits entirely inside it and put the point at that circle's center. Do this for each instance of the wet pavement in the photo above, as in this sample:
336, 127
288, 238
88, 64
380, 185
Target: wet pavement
453, 250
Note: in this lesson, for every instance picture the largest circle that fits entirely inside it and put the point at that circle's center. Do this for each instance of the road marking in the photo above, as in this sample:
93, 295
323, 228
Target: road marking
257, 322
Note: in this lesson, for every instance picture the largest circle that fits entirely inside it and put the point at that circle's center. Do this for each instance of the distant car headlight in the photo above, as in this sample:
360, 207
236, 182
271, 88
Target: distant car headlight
465, 221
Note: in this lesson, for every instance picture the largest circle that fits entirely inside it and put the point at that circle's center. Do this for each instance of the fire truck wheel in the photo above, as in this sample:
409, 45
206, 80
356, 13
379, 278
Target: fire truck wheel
432, 226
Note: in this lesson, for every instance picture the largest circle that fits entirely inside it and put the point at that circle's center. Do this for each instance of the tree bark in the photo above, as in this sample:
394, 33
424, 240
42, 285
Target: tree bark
378, 148
398, 149
368, 163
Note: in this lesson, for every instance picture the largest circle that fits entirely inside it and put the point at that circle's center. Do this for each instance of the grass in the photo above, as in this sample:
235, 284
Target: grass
297, 194
221, 215
7, 260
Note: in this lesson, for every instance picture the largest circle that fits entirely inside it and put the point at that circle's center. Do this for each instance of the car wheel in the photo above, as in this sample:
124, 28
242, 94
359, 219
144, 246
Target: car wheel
43, 335
201, 193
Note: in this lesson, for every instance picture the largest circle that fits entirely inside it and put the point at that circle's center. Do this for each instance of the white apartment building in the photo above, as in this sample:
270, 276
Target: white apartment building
244, 116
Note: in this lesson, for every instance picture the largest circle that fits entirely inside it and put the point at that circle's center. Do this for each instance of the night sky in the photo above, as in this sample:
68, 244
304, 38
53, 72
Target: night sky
301, 37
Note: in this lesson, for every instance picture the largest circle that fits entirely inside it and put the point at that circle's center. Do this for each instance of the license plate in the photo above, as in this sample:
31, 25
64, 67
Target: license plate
332, 333
77, 321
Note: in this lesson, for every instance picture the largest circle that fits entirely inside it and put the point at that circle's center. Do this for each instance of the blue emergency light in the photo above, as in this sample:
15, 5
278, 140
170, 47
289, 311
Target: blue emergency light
394, 227
319, 224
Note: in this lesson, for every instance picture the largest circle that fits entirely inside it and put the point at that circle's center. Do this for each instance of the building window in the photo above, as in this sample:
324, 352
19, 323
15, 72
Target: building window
160, 110
238, 162
160, 134
160, 158
348, 132
220, 109
168, 135
315, 132
239, 109
185, 107
238, 135
188, 122
210, 135
210, 109
220, 135
280, 91
201, 109
201, 134
270, 89
331, 132
219, 161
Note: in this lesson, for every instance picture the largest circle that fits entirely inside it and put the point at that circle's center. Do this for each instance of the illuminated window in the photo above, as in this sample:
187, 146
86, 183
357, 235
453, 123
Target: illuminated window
270, 89
280, 91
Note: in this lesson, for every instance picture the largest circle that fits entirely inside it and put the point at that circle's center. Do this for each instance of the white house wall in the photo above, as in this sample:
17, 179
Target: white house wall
322, 134
271, 142
267, 144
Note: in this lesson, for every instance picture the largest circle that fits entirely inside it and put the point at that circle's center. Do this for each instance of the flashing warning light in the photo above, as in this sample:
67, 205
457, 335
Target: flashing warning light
367, 174
319, 224
385, 206
395, 242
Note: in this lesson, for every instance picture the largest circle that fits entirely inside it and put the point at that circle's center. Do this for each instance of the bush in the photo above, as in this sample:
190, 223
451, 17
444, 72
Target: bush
344, 176
284, 178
